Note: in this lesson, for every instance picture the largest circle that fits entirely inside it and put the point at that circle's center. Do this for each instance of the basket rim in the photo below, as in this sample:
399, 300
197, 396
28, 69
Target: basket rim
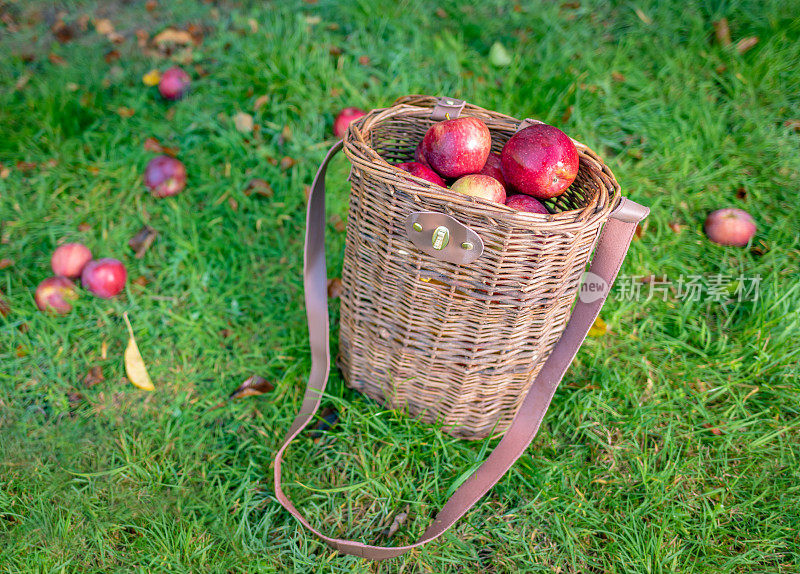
361, 154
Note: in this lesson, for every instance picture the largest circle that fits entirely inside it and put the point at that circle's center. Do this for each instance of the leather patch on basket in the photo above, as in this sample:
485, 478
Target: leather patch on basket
526, 123
447, 109
443, 237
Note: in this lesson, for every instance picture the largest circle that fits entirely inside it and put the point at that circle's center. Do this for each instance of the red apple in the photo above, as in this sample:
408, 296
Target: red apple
422, 171
419, 156
344, 118
457, 147
522, 202
174, 84
730, 226
69, 259
483, 186
493, 167
104, 277
55, 295
165, 176
540, 160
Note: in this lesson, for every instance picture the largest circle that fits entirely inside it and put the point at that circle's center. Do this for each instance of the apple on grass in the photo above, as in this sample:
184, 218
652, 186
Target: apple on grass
479, 185
526, 203
68, 260
421, 171
165, 176
458, 147
174, 84
540, 160
344, 118
55, 295
730, 226
104, 277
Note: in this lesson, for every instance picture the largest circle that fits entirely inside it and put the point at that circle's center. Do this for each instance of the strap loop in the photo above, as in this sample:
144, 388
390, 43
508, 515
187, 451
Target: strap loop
608, 257
447, 109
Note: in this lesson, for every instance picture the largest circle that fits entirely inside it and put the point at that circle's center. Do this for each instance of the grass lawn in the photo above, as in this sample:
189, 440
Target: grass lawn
673, 443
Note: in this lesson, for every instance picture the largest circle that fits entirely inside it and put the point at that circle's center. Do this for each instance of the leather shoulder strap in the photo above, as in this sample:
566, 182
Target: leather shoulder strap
608, 257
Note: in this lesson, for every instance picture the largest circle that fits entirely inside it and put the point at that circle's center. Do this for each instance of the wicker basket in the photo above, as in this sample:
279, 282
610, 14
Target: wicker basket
454, 344
475, 333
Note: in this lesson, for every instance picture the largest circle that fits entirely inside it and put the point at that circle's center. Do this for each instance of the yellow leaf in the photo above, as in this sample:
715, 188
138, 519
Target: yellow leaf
151, 78
134, 364
173, 36
598, 329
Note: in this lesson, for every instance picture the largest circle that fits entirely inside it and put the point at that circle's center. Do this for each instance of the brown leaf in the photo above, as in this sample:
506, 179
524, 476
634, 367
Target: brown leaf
741, 192
676, 227
714, 430
617, 77
398, 521
792, 125
22, 81
124, 112
260, 101
141, 281
5, 262
141, 37
150, 5
5, 308
722, 32
173, 36
26, 165
111, 56
253, 25
252, 387
94, 376
306, 192
328, 417
642, 16
567, 114
4, 172
286, 135
335, 51
363, 60
84, 227
243, 122
56, 59
746, 44
335, 288
258, 187
640, 229
440, 12
103, 26
721, 68
74, 399
142, 241
62, 32
152, 144
234, 205
571, 5
337, 222
287, 162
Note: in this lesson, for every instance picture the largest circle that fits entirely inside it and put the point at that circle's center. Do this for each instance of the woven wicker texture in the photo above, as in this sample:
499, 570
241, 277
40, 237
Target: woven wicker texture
457, 345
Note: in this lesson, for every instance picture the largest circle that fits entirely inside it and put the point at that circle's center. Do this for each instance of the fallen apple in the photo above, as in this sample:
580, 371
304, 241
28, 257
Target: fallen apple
174, 84
522, 202
344, 118
55, 295
483, 186
730, 226
540, 160
422, 171
68, 260
457, 147
165, 176
494, 168
104, 277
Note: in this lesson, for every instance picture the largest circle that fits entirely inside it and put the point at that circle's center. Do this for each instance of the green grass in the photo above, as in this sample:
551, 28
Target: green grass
626, 474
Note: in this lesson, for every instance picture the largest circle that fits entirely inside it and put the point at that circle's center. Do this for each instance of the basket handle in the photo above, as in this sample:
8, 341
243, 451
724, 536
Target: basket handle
608, 257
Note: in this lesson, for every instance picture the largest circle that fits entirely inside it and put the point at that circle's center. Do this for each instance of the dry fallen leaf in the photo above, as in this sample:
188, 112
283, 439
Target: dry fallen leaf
598, 329
152, 144
741, 192
722, 32
56, 59
142, 241
287, 162
398, 521
364, 60
745, 44
134, 363
334, 288
5, 308
94, 376
173, 36
617, 77
260, 101
243, 122
103, 26
252, 387
258, 187
253, 25
22, 81
5, 262
567, 114
124, 112
286, 135
676, 227
111, 56
642, 16
792, 125
337, 222
714, 430
151, 78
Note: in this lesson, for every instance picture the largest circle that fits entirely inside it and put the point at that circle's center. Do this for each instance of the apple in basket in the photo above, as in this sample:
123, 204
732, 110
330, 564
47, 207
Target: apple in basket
522, 202
479, 185
494, 168
421, 171
540, 160
457, 147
